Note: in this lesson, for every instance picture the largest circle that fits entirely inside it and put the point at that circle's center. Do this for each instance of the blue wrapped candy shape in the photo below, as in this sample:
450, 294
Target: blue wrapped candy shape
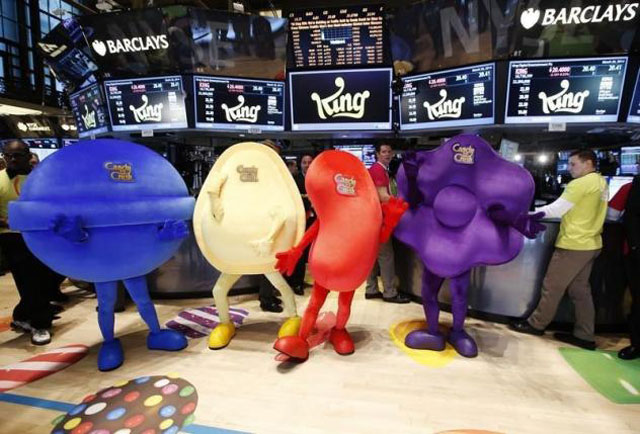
107, 210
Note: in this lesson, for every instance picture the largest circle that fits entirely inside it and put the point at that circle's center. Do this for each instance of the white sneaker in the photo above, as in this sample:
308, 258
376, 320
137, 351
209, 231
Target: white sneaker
40, 336
21, 326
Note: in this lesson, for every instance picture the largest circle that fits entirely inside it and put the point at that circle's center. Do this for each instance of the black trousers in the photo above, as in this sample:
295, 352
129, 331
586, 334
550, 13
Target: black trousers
35, 282
632, 263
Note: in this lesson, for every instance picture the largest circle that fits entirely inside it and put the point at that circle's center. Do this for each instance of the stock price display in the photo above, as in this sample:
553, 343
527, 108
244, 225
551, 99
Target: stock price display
146, 103
238, 104
572, 90
337, 37
89, 111
456, 97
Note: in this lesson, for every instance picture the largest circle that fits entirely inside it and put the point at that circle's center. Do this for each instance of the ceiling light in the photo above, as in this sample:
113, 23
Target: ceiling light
543, 158
518, 157
7, 109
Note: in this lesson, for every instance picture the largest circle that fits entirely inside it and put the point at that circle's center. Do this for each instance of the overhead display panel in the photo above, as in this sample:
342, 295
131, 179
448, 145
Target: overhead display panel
565, 90
232, 104
634, 109
89, 111
334, 37
451, 98
353, 99
146, 103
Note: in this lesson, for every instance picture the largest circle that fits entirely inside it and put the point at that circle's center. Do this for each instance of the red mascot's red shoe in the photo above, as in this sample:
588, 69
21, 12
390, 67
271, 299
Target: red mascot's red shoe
341, 341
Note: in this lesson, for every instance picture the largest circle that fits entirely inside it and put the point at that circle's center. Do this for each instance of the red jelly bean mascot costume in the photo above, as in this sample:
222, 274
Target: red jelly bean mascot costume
351, 225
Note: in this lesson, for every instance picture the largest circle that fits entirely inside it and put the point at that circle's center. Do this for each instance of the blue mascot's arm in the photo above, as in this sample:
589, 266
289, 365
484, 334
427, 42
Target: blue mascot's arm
173, 230
69, 228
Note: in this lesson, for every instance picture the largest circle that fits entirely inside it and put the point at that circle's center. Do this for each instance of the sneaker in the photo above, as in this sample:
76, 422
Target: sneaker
398, 298
21, 326
523, 326
40, 336
569, 338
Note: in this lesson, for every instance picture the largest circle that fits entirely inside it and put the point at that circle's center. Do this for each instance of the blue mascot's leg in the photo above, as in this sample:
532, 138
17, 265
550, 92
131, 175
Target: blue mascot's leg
461, 341
158, 339
429, 338
110, 355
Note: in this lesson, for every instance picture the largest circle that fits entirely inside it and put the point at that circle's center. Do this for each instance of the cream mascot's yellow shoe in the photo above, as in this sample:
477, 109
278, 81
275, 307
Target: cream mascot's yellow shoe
221, 335
248, 210
290, 327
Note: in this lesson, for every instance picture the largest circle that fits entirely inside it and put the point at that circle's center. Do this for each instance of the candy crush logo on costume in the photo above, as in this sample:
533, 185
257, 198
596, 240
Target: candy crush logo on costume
130, 45
241, 112
345, 185
579, 15
341, 104
443, 109
119, 172
248, 174
89, 118
147, 112
463, 154
563, 101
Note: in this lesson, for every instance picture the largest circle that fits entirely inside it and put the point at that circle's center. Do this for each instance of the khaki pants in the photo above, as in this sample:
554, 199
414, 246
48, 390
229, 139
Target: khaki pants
386, 265
568, 269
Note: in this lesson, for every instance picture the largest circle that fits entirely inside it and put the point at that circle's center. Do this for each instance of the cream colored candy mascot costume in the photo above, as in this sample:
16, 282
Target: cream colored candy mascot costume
249, 208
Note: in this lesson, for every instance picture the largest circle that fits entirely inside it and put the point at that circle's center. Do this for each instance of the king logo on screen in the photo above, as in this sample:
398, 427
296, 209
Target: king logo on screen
241, 112
612, 13
89, 118
563, 101
147, 112
444, 109
341, 104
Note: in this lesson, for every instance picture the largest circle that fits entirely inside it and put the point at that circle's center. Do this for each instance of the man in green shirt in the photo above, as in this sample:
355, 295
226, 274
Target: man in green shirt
583, 208
34, 280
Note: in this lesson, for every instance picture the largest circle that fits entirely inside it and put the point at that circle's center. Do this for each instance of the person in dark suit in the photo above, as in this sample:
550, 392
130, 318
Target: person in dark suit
631, 222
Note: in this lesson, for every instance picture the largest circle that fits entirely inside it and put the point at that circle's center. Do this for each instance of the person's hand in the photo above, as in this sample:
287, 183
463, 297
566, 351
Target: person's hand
287, 260
70, 228
173, 230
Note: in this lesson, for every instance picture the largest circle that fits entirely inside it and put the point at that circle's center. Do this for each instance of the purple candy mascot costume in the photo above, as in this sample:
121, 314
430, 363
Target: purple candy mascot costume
468, 208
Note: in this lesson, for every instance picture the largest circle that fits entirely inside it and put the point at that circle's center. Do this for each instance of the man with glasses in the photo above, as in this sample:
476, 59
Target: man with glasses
34, 280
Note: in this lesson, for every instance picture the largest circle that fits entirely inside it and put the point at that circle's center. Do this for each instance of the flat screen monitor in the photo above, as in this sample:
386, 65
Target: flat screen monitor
562, 164
48, 143
233, 104
452, 98
634, 109
334, 37
339, 100
629, 158
365, 153
42, 153
616, 182
89, 111
152, 103
565, 90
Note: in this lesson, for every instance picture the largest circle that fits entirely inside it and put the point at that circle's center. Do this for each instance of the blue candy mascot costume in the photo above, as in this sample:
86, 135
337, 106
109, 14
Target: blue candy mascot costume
103, 211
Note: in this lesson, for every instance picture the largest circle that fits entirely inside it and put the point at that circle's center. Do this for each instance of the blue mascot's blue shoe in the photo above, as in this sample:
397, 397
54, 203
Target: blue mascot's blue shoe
168, 340
110, 355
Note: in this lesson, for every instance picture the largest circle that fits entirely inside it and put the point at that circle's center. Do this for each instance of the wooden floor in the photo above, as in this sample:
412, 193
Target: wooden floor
518, 384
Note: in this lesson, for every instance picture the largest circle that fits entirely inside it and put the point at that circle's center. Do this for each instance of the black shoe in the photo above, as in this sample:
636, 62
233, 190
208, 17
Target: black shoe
60, 297
56, 308
398, 298
270, 306
629, 353
298, 290
570, 339
523, 326
116, 309
376, 294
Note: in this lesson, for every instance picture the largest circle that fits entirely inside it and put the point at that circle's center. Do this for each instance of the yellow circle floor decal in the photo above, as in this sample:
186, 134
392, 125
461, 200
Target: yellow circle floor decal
433, 359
